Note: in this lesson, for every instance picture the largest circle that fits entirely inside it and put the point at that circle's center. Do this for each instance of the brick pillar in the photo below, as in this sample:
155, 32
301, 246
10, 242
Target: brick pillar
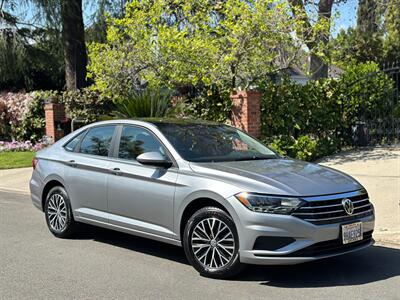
246, 111
55, 116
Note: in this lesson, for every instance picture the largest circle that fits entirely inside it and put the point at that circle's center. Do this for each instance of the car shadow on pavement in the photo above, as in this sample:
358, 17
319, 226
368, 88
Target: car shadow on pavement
369, 265
373, 264
131, 242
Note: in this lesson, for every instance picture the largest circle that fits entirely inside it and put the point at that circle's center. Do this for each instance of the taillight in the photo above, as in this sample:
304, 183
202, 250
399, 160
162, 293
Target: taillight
35, 162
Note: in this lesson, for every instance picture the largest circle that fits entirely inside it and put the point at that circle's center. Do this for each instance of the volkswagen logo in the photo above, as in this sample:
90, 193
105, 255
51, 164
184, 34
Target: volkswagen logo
348, 206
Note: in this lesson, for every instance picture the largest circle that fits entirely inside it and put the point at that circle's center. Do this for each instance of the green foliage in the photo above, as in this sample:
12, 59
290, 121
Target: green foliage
32, 125
392, 26
307, 121
375, 38
210, 104
362, 88
305, 147
87, 105
196, 43
27, 65
147, 103
291, 109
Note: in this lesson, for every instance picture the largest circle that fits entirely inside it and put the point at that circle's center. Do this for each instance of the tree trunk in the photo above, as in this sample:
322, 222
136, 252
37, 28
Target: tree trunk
318, 68
73, 35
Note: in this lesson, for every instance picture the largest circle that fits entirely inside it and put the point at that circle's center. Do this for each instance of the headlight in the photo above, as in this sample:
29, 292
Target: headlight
269, 204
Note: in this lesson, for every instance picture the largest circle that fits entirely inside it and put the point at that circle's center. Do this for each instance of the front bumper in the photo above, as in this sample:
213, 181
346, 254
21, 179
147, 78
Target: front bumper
306, 237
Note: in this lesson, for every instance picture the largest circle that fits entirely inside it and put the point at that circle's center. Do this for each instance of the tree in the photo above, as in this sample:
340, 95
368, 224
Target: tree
316, 36
68, 15
228, 44
73, 35
97, 31
29, 54
392, 30
368, 33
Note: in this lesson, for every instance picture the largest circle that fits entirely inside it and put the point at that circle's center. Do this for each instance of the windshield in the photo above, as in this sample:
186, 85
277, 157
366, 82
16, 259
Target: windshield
213, 143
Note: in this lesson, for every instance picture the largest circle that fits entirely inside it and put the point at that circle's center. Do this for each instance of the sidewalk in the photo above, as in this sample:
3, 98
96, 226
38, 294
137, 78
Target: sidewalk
15, 180
378, 170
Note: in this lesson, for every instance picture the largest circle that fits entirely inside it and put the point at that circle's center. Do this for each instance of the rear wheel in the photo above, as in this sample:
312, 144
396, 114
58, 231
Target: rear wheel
211, 243
58, 213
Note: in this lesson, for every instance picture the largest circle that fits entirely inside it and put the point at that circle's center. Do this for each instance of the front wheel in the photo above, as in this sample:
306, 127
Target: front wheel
211, 243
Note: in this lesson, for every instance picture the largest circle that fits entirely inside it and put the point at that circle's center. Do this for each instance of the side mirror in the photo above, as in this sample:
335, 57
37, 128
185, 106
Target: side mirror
154, 159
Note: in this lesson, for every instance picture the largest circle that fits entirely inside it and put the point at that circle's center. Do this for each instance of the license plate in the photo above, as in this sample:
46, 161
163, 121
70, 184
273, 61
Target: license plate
352, 233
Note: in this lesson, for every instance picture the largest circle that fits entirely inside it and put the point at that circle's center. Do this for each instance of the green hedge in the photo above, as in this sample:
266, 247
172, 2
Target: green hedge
312, 120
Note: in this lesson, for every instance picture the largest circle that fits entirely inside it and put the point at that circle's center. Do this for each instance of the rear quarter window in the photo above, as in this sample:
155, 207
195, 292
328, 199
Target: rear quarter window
71, 145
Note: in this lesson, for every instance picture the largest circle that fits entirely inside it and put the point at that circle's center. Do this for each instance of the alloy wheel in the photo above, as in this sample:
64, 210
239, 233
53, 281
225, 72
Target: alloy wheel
57, 212
213, 243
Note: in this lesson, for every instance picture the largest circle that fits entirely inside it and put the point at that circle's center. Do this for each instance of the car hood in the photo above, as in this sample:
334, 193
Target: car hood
280, 176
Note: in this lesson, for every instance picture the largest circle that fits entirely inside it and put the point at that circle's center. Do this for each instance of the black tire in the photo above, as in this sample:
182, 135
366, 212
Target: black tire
227, 268
69, 226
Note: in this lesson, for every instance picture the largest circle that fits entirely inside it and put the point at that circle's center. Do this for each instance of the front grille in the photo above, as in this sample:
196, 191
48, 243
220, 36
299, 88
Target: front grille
331, 247
329, 209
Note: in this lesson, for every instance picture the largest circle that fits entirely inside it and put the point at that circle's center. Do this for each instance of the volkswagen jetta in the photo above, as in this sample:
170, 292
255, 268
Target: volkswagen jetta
211, 188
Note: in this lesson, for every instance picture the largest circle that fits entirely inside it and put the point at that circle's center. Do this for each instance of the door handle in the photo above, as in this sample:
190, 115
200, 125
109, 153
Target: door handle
72, 163
116, 171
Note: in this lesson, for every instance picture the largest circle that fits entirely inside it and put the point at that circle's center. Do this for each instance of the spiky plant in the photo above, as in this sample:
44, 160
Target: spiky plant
147, 103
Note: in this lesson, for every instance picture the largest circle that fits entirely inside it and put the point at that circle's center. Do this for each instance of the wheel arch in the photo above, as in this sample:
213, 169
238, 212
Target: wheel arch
196, 203
48, 186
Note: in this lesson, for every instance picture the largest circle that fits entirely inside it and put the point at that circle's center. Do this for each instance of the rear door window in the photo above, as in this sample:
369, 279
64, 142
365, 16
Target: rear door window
98, 141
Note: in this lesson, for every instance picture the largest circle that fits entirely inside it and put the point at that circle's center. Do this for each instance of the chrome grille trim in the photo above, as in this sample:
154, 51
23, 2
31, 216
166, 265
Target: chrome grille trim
328, 209
333, 205
336, 196
340, 217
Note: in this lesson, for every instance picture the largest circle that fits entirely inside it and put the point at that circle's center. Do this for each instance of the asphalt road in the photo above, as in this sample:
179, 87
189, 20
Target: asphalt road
102, 264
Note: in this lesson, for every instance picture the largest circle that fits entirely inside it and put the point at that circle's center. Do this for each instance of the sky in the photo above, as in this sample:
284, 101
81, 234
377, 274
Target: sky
347, 15
345, 12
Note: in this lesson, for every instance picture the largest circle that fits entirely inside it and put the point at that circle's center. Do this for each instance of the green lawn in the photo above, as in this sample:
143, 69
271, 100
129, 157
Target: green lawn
12, 160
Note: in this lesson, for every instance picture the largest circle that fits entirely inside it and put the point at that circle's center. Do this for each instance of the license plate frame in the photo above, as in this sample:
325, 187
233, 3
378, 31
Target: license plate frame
352, 232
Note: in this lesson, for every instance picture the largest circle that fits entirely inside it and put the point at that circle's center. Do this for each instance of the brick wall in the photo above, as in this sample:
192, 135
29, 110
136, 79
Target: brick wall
55, 116
246, 111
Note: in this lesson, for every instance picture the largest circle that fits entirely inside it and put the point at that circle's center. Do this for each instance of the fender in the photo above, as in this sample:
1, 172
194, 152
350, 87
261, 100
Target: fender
202, 194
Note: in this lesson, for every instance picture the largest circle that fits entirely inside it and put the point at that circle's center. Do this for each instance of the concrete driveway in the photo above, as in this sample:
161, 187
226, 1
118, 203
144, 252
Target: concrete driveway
378, 170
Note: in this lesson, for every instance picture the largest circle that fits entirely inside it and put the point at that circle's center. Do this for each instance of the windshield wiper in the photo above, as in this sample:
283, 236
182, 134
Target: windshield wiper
255, 158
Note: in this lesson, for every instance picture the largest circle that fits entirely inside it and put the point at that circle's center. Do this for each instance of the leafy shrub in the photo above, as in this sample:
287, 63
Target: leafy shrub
4, 125
13, 107
87, 104
32, 125
312, 120
210, 104
292, 110
305, 147
364, 90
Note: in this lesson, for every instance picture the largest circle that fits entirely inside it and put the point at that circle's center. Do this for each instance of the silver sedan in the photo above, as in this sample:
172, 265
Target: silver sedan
211, 188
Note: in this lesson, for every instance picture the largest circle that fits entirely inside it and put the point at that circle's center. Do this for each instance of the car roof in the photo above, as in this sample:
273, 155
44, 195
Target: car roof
182, 121
154, 121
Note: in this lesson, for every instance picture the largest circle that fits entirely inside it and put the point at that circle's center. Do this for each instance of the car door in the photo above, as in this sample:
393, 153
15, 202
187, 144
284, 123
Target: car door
86, 175
141, 197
